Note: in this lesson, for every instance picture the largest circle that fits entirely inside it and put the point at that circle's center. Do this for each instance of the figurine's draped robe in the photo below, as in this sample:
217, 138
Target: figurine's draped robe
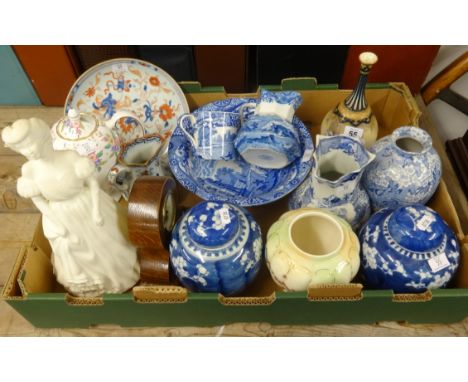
88, 259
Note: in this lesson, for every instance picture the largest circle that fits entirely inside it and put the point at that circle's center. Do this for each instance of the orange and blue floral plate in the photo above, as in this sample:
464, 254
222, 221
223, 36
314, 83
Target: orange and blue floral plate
126, 84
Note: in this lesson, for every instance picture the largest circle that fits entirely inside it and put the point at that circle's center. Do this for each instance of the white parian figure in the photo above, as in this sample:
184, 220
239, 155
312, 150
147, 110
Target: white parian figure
91, 255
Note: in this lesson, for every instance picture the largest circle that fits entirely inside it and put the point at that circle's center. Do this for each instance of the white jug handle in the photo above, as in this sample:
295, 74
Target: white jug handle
243, 107
181, 125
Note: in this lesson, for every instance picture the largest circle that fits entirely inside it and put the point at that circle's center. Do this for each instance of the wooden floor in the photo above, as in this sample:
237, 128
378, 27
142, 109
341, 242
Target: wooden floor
18, 219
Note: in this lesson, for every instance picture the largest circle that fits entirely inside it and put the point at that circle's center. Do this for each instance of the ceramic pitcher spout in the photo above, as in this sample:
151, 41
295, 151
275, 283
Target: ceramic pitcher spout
339, 164
353, 177
335, 179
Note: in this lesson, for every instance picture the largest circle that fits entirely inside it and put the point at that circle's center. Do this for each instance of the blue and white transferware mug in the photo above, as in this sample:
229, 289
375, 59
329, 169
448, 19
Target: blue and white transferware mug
213, 133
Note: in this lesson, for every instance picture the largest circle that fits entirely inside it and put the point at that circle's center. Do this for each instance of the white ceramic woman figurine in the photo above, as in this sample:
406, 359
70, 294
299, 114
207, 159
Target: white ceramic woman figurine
90, 255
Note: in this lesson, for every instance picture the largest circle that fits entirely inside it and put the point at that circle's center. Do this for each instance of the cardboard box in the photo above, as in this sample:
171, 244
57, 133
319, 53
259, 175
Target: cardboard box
32, 290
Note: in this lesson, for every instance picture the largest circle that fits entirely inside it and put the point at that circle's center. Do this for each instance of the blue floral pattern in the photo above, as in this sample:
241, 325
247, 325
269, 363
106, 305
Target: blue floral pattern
400, 177
236, 181
292, 98
267, 133
216, 247
269, 139
410, 249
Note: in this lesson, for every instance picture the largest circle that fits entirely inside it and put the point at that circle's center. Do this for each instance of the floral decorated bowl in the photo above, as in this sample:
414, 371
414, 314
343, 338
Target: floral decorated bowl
216, 247
410, 249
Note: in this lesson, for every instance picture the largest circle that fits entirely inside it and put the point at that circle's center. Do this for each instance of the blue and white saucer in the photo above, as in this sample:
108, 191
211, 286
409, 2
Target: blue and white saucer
236, 181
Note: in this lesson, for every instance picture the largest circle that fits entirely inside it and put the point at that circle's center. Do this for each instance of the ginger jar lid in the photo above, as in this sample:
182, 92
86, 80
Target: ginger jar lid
214, 230
212, 224
76, 126
416, 228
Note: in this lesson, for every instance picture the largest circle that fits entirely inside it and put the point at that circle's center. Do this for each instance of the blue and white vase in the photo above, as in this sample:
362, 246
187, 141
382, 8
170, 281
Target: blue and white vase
216, 247
406, 169
268, 138
334, 182
410, 249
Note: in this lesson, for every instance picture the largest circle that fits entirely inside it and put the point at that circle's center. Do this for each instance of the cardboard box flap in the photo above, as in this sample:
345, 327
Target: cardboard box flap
292, 83
35, 274
12, 290
196, 87
247, 301
83, 301
335, 292
412, 297
414, 112
157, 294
299, 83
442, 203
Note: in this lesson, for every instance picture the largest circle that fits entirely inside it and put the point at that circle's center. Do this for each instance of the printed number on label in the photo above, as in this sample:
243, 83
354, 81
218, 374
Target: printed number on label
223, 214
353, 132
425, 222
438, 262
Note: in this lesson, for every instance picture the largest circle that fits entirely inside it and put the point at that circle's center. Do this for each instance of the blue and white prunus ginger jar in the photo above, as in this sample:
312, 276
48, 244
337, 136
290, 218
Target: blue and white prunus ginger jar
410, 249
216, 247
406, 170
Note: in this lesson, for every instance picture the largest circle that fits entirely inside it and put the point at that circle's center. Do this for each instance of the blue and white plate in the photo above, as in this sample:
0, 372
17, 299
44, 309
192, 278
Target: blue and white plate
236, 181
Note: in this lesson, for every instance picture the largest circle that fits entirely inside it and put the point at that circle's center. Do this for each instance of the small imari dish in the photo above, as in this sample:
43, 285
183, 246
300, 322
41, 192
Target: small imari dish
410, 249
216, 247
126, 84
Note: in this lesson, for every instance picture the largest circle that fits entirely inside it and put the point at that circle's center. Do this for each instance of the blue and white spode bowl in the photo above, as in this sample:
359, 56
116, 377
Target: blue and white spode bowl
216, 247
410, 249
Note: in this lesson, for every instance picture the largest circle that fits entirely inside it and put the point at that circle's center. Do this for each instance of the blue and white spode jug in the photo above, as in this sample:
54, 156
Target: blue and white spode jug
334, 181
406, 170
268, 138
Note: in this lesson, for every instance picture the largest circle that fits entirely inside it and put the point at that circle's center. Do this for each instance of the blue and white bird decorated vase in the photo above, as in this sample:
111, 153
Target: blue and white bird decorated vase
409, 250
406, 170
216, 247
334, 183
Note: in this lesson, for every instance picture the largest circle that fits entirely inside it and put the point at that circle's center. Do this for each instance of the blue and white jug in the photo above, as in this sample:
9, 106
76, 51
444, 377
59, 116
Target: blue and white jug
268, 138
334, 181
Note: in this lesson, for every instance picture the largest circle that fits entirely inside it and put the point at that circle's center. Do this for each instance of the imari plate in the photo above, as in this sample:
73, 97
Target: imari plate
134, 86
